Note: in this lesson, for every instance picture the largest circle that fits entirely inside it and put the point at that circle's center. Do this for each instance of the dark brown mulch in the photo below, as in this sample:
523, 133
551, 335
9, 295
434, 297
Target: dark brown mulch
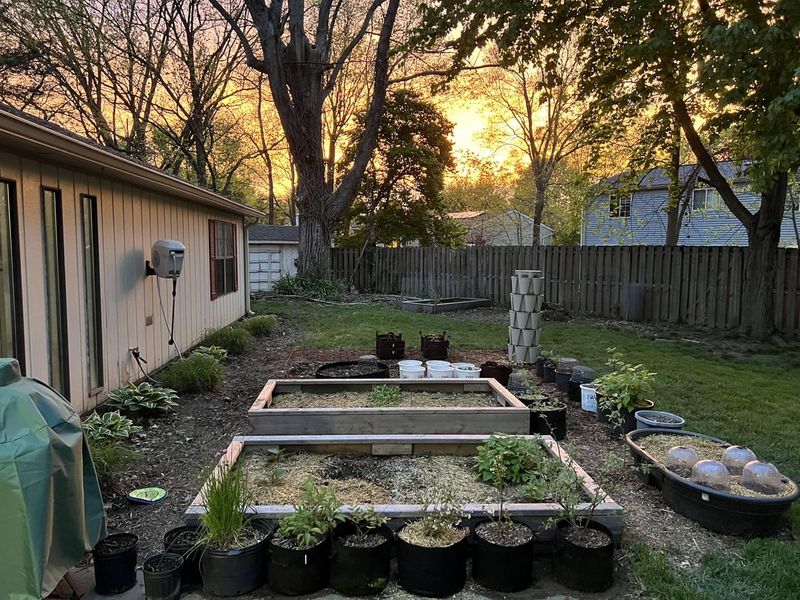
508, 534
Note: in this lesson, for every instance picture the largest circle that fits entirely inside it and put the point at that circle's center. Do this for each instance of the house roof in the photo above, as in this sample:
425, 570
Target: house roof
274, 234
659, 178
471, 214
26, 134
466, 214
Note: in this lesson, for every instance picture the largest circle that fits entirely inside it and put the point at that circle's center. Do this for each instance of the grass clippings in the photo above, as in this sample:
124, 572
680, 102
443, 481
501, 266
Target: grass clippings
364, 400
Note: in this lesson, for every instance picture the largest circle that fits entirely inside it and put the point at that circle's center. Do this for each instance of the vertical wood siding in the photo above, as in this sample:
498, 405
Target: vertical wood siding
129, 220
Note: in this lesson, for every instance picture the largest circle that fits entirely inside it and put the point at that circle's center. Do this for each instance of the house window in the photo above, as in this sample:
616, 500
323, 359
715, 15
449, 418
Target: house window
222, 254
91, 281
705, 198
55, 290
11, 344
620, 206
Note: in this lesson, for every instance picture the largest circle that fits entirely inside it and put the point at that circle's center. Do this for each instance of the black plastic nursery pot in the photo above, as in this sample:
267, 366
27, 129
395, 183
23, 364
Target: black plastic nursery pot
162, 576
716, 510
182, 540
294, 572
574, 393
502, 568
580, 568
352, 369
562, 380
540, 367
432, 572
358, 571
115, 563
499, 372
628, 417
389, 346
549, 374
234, 572
550, 422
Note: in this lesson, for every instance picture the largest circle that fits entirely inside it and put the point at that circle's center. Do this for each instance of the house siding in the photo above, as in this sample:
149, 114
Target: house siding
504, 229
130, 219
647, 224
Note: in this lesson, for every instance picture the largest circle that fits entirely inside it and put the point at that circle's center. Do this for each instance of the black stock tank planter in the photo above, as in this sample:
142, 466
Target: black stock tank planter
435, 572
550, 419
162, 576
584, 557
493, 369
183, 541
115, 563
503, 556
353, 369
360, 564
293, 572
233, 572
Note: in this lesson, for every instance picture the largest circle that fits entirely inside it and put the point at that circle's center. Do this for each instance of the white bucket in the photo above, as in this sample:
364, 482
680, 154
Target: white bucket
529, 337
534, 320
462, 365
412, 372
533, 354
537, 285
515, 335
440, 372
516, 301
520, 285
468, 373
409, 363
589, 397
433, 364
529, 303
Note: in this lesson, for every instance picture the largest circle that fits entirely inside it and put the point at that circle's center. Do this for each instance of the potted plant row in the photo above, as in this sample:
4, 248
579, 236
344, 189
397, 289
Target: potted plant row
548, 415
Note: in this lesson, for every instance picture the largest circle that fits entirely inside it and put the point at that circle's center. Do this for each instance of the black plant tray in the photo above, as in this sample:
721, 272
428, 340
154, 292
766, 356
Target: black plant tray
718, 511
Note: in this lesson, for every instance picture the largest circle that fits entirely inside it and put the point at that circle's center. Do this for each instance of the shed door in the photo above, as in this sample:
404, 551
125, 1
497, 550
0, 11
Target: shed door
265, 268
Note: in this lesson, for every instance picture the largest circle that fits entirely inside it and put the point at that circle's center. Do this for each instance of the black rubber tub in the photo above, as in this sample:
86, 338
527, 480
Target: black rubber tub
718, 511
360, 571
580, 568
432, 572
352, 369
502, 568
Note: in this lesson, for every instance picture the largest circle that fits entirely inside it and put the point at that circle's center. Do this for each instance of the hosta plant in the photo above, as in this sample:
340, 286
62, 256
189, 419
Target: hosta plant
215, 351
110, 427
143, 398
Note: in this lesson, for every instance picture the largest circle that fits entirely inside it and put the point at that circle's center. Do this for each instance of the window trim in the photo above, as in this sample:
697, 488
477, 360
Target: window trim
98, 292
711, 199
214, 259
18, 324
616, 203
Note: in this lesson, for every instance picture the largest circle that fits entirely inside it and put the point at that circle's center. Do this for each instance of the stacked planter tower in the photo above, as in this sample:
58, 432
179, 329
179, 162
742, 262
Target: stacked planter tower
525, 316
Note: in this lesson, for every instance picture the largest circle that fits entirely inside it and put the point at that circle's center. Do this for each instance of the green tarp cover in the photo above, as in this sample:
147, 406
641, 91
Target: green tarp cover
51, 510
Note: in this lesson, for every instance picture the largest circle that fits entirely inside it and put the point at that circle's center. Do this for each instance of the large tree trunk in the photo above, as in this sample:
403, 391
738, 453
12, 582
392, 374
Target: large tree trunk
315, 246
538, 212
764, 233
674, 202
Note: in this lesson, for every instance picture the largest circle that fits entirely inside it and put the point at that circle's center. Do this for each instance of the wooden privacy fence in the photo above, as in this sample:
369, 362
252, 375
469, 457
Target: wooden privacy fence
699, 286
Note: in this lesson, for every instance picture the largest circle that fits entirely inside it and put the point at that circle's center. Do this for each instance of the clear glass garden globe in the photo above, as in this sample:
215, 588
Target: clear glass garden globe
762, 477
681, 459
736, 457
711, 473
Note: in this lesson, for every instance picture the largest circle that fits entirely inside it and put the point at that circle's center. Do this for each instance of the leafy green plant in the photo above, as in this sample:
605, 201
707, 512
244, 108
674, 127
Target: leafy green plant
111, 459
507, 460
215, 351
143, 398
110, 427
226, 497
310, 287
626, 388
198, 372
366, 520
385, 395
234, 338
314, 517
262, 325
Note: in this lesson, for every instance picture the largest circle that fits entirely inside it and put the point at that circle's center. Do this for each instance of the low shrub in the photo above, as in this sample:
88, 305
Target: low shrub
198, 372
310, 287
111, 459
261, 326
215, 351
110, 427
142, 399
233, 338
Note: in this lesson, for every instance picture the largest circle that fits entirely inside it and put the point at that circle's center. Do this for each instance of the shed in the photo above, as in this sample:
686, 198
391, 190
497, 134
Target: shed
77, 222
273, 254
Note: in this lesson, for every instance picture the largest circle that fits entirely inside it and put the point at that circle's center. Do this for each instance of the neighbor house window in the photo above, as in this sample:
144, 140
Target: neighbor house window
620, 206
10, 306
55, 290
91, 282
222, 250
705, 198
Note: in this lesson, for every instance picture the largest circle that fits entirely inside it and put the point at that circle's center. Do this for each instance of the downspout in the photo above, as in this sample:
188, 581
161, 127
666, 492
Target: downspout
248, 223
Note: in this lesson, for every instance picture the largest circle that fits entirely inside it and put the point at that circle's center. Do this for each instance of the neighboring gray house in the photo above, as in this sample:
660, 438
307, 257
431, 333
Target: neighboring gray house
639, 217
503, 228
273, 252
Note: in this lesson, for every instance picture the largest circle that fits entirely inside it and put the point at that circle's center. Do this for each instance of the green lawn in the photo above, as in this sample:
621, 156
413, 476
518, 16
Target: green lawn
750, 400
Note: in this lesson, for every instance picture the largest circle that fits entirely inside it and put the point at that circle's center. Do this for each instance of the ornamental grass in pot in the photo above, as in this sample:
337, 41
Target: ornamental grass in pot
622, 392
584, 548
361, 553
234, 559
503, 550
299, 550
432, 550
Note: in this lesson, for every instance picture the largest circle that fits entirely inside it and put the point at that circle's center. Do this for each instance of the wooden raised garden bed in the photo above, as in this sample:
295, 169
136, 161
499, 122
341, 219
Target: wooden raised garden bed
434, 306
344, 462
426, 406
